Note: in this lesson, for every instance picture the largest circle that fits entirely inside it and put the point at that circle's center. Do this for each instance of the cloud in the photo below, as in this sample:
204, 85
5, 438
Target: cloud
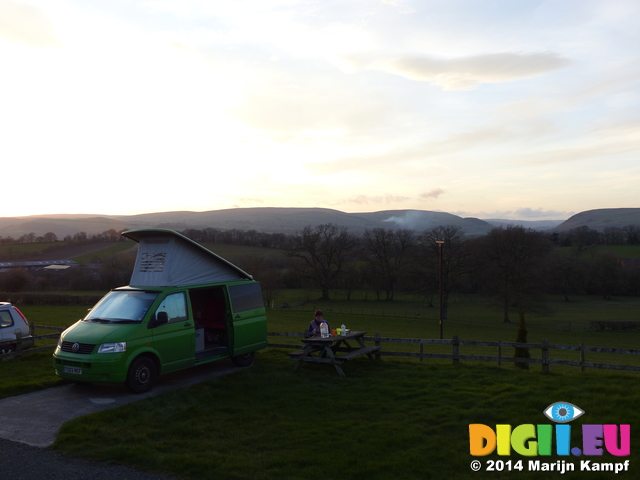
374, 199
435, 193
312, 105
603, 141
465, 73
540, 213
524, 213
25, 24
250, 201
405, 161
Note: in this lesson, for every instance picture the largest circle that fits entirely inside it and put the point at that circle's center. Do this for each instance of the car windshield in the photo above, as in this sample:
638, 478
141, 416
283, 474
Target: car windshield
118, 306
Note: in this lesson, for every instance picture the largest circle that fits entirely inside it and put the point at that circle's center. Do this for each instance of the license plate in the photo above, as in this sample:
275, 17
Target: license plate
74, 370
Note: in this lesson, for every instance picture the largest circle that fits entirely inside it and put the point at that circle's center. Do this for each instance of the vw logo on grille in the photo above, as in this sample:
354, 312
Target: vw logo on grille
75, 348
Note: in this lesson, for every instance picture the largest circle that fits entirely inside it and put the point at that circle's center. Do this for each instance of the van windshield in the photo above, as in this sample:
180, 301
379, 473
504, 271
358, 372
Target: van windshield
128, 306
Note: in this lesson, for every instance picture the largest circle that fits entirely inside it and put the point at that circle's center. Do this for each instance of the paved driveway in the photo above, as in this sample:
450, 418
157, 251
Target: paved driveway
35, 418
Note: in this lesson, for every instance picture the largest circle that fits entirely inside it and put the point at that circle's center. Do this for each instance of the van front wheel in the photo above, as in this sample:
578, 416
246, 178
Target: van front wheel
142, 375
244, 360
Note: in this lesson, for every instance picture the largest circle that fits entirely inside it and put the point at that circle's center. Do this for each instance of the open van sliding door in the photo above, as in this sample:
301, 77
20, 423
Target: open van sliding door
211, 313
249, 318
175, 340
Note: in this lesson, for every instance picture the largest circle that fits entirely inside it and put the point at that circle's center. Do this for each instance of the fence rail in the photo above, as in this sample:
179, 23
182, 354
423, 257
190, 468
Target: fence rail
19, 351
544, 359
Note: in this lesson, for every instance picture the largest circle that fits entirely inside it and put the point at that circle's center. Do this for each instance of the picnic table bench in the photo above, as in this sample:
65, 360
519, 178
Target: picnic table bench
326, 349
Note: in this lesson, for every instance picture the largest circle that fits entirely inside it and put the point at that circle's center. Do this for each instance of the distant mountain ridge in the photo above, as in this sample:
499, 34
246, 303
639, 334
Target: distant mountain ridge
266, 219
292, 220
601, 218
533, 224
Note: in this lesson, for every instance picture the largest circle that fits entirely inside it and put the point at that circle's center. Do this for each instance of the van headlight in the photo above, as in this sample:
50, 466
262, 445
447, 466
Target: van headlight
117, 347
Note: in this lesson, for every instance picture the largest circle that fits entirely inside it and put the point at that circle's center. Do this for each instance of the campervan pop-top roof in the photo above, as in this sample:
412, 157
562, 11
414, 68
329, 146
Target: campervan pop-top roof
167, 258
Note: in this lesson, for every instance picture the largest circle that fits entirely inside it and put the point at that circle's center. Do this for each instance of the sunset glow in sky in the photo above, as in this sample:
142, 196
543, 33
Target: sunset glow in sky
489, 109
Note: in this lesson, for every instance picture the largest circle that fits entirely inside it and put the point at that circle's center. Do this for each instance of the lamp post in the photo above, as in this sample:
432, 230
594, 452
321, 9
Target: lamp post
440, 244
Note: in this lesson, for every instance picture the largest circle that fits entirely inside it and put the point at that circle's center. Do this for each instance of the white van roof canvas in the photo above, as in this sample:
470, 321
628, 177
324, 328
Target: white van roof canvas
167, 258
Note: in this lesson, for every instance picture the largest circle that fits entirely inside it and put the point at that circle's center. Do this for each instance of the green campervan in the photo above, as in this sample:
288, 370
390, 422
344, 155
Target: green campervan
184, 306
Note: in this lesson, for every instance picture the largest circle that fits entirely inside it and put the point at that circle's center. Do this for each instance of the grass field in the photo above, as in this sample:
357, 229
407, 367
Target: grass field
620, 251
397, 418
34, 371
471, 318
385, 420
103, 253
79, 252
20, 250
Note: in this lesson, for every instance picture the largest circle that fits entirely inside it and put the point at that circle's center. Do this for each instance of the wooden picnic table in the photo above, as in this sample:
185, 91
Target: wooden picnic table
327, 348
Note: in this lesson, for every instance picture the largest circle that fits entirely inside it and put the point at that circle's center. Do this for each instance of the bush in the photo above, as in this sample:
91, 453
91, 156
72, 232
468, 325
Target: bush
15, 280
48, 298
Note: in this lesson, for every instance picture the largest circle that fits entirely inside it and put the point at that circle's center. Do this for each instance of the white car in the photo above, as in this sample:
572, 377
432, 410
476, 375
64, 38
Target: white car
13, 321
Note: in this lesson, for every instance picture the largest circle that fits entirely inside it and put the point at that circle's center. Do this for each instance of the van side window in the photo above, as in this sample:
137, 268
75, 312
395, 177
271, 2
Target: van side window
176, 307
247, 296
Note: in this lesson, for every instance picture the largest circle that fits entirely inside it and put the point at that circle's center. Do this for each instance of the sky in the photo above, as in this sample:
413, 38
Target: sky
491, 108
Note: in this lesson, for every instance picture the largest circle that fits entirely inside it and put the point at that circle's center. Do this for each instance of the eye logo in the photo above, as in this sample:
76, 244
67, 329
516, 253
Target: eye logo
563, 412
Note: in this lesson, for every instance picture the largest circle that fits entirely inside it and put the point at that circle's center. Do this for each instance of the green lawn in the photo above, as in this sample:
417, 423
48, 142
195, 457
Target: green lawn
397, 418
16, 251
474, 318
34, 371
470, 319
105, 253
385, 420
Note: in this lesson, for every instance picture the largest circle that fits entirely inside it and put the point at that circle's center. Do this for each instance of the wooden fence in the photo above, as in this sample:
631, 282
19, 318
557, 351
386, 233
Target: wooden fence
18, 352
544, 358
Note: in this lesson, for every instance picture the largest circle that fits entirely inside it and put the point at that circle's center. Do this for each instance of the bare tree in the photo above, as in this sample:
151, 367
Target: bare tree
388, 252
606, 275
512, 261
632, 234
49, 237
568, 273
324, 250
455, 260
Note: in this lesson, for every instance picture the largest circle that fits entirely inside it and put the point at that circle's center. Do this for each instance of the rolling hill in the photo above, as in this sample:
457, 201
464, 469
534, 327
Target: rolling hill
292, 220
601, 218
272, 220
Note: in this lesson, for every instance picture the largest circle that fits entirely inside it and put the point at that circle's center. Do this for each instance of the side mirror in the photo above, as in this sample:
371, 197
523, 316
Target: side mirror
161, 318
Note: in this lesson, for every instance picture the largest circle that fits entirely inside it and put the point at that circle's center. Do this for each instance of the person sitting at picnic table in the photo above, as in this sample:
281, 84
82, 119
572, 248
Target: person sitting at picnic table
314, 325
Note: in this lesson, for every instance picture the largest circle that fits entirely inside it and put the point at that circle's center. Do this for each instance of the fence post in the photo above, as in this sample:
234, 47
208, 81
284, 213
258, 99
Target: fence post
545, 355
456, 350
582, 368
499, 353
32, 329
377, 344
421, 351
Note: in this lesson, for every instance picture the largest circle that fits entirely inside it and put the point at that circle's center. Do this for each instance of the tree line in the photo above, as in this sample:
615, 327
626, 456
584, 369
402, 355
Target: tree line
515, 265
111, 235
578, 237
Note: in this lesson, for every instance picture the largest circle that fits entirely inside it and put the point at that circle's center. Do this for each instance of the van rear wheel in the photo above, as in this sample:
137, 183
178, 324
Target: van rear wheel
142, 375
244, 360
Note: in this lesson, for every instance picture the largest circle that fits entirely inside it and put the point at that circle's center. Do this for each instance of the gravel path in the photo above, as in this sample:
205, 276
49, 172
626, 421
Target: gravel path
23, 462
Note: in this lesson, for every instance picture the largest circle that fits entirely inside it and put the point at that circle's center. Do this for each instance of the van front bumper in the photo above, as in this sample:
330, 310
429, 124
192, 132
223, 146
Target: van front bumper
102, 367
